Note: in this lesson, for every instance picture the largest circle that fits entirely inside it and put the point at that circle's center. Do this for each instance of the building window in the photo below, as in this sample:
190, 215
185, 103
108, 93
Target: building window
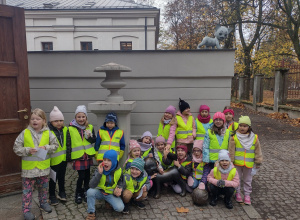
126, 45
86, 45
47, 46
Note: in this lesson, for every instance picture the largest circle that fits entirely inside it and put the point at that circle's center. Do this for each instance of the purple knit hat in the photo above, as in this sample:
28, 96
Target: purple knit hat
171, 109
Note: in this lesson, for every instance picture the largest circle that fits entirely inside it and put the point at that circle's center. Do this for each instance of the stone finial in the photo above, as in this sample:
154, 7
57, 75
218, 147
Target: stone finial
113, 81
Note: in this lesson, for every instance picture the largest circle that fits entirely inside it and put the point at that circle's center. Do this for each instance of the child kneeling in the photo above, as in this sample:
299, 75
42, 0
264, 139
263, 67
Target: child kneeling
223, 179
106, 184
137, 185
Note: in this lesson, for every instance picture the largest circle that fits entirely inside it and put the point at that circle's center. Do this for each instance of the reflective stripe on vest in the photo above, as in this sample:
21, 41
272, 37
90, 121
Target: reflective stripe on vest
184, 164
198, 172
243, 157
30, 162
110, 189
109, 143
131, 184
231, 175
184, 130
60, 153
165, 132
214, 146
79, 146
200, 134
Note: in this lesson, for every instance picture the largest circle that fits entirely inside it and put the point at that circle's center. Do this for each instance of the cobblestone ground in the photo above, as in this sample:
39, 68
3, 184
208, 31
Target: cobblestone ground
275, 188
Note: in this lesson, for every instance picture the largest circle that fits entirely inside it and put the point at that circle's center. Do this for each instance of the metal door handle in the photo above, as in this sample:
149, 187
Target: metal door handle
24, 110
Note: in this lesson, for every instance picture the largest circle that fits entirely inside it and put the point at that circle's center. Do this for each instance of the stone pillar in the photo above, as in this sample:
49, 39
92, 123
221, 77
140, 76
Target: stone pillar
279, 90
257, 90
2, 2
241, 87
114, 102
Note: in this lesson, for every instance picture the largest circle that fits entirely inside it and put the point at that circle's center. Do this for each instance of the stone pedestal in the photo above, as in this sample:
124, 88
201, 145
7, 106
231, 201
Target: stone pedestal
114, 102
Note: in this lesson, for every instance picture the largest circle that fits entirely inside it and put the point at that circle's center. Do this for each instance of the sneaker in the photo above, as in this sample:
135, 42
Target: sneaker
238, 197
91, 216
46, 208
29, 216
62, 196
78, 198
247, 200
140, 205
53, 200
126, 208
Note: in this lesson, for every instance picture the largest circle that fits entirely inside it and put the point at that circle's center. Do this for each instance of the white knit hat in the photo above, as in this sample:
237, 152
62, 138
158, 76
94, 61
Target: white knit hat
224, 155
81, 108
56, 115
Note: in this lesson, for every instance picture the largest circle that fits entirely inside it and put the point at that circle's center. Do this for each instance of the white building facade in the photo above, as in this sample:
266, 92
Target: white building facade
89, 25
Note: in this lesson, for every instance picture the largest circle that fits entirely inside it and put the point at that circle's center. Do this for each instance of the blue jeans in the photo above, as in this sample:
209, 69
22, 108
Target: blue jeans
196, 183
93, 194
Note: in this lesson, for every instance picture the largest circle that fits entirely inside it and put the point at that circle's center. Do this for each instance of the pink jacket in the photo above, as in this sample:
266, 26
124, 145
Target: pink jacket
189, 139
233, 183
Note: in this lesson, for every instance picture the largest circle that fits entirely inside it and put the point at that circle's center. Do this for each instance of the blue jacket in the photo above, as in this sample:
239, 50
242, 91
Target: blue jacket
111, 132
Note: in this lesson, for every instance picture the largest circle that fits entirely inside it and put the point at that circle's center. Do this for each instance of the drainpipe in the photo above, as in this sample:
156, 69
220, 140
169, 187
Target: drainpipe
145, 33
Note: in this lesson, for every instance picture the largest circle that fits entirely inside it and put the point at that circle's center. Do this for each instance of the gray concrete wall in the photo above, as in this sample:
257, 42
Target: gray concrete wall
158, 79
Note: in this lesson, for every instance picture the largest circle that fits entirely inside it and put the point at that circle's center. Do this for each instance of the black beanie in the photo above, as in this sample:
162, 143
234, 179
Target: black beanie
183, 105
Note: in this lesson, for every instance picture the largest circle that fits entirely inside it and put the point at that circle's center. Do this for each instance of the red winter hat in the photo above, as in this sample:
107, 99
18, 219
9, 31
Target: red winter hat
219, 115
183, 147
229, 110
204, 107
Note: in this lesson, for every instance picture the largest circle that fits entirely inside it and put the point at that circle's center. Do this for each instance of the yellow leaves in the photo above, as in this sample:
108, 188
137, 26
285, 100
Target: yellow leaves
182, 210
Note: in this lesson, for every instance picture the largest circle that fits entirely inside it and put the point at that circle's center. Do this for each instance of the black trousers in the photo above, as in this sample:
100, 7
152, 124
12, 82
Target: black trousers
83, 178
60, 170
216, 191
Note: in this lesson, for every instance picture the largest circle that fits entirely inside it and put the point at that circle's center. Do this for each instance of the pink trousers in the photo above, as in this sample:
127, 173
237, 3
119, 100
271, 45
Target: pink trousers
245, 178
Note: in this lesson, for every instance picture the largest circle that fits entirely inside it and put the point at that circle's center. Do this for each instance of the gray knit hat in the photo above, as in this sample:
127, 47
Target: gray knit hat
138, 163
81, 108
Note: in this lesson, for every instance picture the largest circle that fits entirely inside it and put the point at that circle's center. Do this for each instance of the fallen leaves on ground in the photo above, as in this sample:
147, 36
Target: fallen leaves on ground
182, 210
285, 116
237, 105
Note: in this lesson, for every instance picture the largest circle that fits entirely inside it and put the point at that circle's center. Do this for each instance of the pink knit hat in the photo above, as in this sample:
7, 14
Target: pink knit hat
198, 144
183, 147
171, 109
229, 110
133, 144
219, 115
56, 115
160, 139
204, 107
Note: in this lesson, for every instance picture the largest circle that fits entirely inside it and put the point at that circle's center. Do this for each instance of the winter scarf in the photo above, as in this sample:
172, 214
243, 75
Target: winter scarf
74, 123
246, 140
203, 120
225, 171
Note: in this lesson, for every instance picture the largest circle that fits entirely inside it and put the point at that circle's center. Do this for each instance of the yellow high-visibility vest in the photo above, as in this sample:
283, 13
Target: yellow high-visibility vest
198, 171
79, 146
215, 147
243, 157
109, 143
231, 175
200, 134
110, 189
184, 130
165, 132
30, 162
131, 184
60, 154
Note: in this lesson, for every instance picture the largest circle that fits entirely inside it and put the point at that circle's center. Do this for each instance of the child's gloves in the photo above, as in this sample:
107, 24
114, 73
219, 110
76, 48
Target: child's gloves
221, 183
88, 134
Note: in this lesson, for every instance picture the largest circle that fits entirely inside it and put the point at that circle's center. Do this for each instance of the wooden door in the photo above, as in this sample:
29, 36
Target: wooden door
14, 94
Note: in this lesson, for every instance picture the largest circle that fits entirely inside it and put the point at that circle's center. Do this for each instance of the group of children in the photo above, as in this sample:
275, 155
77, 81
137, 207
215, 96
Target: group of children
210, 154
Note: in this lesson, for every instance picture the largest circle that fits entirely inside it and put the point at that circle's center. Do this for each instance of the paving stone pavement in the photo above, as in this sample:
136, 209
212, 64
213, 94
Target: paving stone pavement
276, 190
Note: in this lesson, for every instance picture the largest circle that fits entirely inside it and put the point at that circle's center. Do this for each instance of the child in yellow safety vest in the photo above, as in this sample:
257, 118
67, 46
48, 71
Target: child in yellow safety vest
136, 185
82, 137
146, 143
134, 152
200, 170
110, 137
186, 128
60, 157
245, 151
160, 144
35, 168
229, 116
183, 161
106, 184
223, 180
203, 122
167, 127
216, 138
